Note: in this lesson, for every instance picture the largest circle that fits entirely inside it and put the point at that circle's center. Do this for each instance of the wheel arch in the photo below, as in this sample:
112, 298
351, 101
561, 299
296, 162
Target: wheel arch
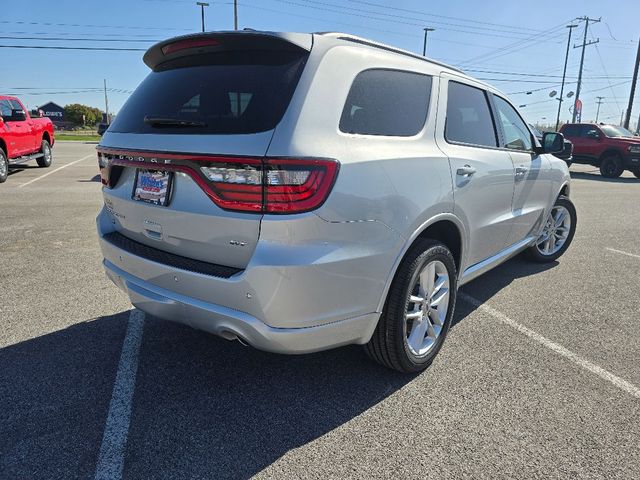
47, 137
565, 190
446, 228
609, 152
3, 147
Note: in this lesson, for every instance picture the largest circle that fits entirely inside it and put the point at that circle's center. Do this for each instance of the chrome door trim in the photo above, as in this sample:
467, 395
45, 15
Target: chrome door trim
484, 266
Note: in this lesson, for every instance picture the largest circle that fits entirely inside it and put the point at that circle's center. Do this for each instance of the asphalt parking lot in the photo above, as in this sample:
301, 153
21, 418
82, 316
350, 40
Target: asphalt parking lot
539, 377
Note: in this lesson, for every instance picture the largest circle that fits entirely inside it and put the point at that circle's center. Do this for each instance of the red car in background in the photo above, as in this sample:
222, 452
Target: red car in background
611, 148
23, 138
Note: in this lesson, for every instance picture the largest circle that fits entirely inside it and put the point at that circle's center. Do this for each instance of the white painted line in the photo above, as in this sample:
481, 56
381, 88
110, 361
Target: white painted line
559, 349
54, 171
623, 253
114, 440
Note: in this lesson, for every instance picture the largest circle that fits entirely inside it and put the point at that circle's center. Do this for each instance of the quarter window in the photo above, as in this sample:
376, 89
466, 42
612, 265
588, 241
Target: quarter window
516, 134
469, 118
386, 102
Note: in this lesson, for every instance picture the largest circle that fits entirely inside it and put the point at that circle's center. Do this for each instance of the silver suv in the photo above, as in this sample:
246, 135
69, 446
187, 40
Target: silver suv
298, 192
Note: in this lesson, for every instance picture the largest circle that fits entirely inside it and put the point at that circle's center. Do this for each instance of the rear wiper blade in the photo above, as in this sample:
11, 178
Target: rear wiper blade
172, 122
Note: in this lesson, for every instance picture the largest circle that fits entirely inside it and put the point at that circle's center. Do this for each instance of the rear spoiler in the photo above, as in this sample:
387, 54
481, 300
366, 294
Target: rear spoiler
211, 42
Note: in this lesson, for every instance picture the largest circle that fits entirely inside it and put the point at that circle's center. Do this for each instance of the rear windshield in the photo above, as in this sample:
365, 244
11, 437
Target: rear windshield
226, 92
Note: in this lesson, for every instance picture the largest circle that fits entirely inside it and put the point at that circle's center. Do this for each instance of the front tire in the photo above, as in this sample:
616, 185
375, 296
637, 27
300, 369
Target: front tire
611, 166
4, 166
418, 310
47, 157
636, 172
558, 232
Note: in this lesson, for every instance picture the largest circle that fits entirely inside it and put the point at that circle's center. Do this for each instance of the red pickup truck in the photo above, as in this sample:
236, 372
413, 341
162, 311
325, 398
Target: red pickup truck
22, 138
611, 148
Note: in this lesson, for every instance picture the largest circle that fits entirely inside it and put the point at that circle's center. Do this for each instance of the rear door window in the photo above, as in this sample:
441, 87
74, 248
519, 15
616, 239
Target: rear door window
469, 118
5, 108
571, 131
234, 92
386, 102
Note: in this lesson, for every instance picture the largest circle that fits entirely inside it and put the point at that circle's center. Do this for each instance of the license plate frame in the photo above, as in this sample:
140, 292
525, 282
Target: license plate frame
156, 187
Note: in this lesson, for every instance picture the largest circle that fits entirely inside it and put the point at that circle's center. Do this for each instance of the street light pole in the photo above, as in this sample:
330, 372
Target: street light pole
202, 5
564, 74
584, 44
424, 45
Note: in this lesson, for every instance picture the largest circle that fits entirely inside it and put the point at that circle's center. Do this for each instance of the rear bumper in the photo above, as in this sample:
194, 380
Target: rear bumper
232, 324
294, 296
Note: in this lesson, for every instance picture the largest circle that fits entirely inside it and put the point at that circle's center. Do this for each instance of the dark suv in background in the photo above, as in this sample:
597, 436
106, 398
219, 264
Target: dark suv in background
567, 149
611, 148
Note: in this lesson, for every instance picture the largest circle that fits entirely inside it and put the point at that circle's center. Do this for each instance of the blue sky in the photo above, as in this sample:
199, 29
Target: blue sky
516, 46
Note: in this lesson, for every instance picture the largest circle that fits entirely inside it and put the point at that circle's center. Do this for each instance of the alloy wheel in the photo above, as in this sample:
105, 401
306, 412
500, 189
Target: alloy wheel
555, 232
427, 308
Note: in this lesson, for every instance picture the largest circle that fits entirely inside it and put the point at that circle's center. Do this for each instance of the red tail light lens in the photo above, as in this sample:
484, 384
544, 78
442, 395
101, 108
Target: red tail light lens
268, 185
293, 186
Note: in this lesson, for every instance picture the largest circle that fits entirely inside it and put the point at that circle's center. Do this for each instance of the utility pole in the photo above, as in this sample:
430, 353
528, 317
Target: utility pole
106, 102
633, 89
235, 14
584, 44
598, 111
622, 118
564, 74
424, 45
202, 5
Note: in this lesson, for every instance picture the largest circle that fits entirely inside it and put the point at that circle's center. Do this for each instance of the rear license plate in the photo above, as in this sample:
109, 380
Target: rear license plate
153, 186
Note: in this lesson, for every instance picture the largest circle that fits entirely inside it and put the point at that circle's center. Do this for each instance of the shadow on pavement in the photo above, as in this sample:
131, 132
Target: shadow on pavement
595, 176
203, 407
486, 286
54, 396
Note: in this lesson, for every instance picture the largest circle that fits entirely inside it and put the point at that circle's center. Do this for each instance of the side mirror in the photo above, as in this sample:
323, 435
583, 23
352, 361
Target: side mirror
18, 115
552, 142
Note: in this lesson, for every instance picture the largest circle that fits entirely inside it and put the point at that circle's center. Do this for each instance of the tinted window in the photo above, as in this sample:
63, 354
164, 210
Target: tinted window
227, 92
469, 118
613, 131
16, 105
515, 131
386, 102
5, 108
571, 130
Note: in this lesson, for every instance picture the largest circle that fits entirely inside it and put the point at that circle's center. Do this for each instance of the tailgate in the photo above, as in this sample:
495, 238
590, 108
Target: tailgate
181, 163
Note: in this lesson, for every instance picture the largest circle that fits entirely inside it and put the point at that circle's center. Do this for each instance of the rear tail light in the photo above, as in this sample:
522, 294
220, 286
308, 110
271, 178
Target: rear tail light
269, 185
275, 186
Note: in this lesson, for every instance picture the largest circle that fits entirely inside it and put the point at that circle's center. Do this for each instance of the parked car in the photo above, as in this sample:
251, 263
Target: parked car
320, 190
567, 150
611, 148
23, 138
102, 127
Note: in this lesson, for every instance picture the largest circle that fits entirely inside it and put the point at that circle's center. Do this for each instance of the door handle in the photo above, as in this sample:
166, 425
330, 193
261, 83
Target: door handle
521, 171
466, 171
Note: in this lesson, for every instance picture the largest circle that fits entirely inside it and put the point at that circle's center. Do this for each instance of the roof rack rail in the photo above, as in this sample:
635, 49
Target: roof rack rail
370, 43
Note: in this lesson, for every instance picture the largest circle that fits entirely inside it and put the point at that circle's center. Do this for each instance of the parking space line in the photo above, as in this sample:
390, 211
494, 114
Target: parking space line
114, 440
623, 253
54, 171
551, 345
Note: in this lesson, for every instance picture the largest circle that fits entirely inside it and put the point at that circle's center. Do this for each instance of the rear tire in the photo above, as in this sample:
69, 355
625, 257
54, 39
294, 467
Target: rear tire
560, 227
47, 156
418, 310
4, 166
611, 166
636, 172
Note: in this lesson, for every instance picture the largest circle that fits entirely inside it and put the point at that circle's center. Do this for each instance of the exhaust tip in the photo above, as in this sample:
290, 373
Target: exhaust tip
228, 335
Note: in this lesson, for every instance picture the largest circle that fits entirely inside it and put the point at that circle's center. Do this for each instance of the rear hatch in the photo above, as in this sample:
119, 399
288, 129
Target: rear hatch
182, 164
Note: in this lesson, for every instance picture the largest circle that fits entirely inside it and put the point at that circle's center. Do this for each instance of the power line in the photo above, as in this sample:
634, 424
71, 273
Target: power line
127, 27
50, 47
65, 39
417, 12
